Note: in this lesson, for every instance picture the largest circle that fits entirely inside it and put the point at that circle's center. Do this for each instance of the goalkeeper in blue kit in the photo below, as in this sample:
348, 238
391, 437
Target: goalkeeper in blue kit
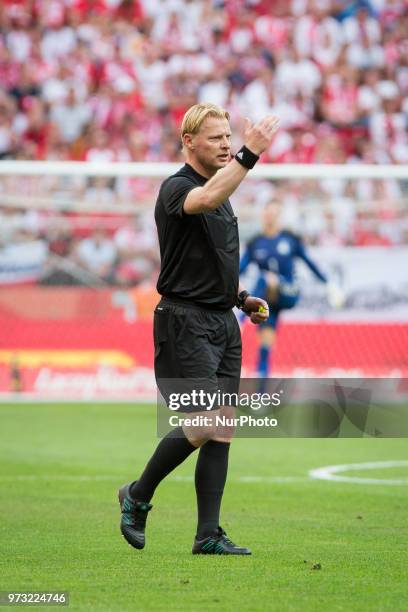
275, 252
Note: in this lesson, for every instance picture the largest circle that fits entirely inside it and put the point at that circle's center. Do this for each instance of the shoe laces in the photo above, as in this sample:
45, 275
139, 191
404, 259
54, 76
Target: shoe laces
141, 513
138, 512
223, 536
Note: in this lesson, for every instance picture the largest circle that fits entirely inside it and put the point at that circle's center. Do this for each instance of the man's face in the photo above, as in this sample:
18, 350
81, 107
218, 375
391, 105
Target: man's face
211, 146
98, 236
271, 214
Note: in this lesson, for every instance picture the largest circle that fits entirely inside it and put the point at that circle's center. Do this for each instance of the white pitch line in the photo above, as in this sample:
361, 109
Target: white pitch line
330, 472
327, 473
72, 478
63, 477
252, 479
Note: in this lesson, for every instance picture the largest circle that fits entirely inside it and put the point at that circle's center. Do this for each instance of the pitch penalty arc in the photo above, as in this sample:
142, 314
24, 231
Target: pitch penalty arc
334, 473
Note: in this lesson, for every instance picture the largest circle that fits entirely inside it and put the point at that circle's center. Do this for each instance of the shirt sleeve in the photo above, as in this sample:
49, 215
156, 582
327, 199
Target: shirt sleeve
174, 193
247, 257
301, 252
245, 261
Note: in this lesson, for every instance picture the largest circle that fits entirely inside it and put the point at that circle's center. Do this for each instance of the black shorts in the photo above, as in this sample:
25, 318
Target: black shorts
195, 348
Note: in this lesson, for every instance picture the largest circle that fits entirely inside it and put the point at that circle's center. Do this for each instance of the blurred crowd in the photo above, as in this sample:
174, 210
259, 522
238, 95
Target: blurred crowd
72, 249
109, 80
99, 249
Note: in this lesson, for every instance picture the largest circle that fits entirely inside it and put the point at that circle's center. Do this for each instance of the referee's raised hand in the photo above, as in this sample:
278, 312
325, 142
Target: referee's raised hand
258, 137
207, 150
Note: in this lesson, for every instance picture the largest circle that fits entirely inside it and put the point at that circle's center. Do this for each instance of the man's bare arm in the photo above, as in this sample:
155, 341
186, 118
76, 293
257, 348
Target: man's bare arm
223, 184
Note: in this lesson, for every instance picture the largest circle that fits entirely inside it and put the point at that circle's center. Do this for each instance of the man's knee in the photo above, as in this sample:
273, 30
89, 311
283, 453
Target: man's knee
267, 337
200, 427
226, 425
216, 425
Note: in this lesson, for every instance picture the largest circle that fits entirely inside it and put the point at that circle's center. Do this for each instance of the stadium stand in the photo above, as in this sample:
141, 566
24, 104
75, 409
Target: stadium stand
109, 80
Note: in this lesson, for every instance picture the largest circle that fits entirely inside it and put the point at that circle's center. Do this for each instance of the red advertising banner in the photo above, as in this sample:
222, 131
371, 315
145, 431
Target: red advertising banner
77, 343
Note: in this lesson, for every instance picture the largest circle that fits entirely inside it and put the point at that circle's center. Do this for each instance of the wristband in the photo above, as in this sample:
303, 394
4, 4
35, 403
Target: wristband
242, 296
246, 158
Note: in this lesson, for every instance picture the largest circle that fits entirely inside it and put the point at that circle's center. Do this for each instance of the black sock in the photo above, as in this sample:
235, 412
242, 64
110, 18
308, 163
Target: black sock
210, 477
170, 452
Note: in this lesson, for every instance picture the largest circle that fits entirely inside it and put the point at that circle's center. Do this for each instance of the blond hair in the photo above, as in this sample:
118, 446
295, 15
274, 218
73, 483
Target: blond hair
196, 115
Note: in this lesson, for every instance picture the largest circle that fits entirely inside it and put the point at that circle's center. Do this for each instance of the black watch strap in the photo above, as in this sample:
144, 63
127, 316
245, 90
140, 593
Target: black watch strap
242, 296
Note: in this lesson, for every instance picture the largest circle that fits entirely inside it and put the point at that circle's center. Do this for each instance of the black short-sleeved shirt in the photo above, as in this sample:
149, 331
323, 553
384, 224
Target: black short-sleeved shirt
199, 253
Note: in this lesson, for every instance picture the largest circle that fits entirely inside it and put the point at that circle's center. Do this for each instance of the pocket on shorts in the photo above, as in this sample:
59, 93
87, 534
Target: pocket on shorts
160, 325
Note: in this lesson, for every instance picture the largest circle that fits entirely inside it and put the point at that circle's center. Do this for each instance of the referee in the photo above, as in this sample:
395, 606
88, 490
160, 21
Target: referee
196, 334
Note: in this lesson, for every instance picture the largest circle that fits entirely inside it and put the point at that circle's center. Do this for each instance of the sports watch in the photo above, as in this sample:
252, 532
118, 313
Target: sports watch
242, 296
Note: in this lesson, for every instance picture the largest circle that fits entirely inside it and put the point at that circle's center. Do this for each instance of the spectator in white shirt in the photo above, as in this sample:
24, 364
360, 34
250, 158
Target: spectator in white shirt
295, 74
316, 32
362, 26
97, 254
70, 117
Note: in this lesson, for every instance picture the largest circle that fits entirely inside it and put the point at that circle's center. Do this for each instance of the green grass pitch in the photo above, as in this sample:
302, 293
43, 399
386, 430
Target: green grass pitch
61, 466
